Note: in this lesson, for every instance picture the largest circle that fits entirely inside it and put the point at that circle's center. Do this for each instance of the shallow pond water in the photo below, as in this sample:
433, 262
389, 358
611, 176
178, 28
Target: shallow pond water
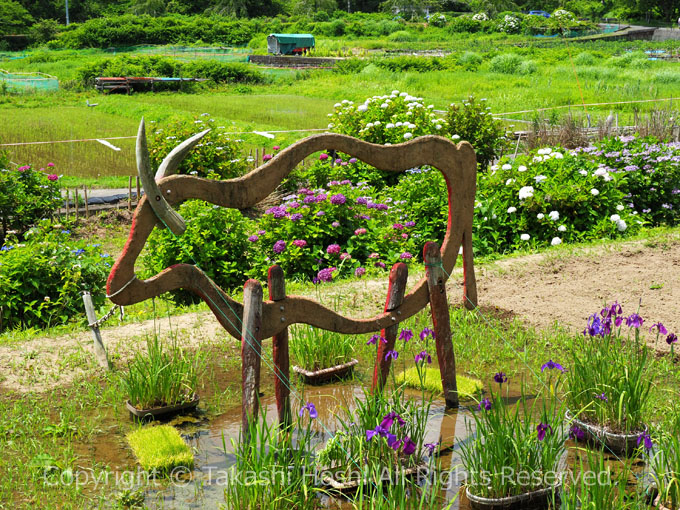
211, 440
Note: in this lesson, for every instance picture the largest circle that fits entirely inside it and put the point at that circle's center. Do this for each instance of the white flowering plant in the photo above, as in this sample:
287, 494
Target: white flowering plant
552, 196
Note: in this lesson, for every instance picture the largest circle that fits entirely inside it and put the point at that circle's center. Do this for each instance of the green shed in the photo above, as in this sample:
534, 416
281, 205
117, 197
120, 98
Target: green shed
289, 44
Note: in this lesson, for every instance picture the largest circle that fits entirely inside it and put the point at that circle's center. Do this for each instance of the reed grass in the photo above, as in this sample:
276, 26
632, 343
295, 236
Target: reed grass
315, 349
159, 449
163, 376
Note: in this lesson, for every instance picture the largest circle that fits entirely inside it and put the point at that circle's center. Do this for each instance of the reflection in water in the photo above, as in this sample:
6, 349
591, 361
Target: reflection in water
210, 441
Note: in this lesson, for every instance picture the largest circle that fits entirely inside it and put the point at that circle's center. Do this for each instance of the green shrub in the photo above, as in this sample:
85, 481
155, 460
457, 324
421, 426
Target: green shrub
437, 20
667, 77
41, 279
585, 58
470, 61
465, 24
216, 156
472, 121
215, 239
26, 196
401, 36
509, 63
411, 63
349, 65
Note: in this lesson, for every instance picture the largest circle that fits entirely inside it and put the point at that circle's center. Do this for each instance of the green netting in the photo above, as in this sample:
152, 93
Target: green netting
23, 81
223, 54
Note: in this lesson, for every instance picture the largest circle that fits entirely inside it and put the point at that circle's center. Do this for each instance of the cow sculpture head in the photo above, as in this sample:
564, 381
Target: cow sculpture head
457, 163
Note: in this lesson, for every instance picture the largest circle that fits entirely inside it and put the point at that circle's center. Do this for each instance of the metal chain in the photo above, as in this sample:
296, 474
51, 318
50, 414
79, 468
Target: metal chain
106, 316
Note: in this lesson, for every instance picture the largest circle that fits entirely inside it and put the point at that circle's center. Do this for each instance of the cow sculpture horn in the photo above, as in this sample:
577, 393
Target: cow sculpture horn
159, 204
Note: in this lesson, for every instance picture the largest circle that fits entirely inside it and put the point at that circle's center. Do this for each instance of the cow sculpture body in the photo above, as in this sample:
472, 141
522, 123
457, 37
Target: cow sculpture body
271, 318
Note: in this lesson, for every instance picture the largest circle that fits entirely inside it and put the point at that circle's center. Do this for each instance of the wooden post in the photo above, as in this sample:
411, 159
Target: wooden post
395, 296
99, 349
130, 193
75, 202
66, 202
439, 306
87, 207
139, 191
251, 348
277, 292
257, 157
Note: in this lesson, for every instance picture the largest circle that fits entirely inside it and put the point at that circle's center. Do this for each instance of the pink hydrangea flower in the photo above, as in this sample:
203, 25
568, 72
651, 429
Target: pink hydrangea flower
300, 243
52, 177
333, 248
360, 231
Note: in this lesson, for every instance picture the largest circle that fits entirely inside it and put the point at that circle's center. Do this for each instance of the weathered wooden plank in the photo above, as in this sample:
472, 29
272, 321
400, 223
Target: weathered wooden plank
395, 296
251, 349
436, 281
280, 353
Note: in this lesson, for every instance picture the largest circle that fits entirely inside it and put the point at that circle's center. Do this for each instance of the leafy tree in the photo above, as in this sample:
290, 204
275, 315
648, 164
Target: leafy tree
14, 18
43, 31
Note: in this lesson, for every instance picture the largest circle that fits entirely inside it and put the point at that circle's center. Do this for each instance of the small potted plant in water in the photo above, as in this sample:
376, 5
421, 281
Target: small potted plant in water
608, 384
515, 459
163, 380
321, 355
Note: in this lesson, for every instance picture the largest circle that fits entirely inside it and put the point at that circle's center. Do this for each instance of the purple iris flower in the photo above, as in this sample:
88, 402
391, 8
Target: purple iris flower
406, 334
602, 397
484, 404
645, 437
541, 430
660, 328
423, 356
389, 418
500, 377
425, 333
378, 431
374, 339
671, 339
393, 442
594, 327
431, 447
391, 354
552, 365
311, 409
409, 446
576, 433
634, 321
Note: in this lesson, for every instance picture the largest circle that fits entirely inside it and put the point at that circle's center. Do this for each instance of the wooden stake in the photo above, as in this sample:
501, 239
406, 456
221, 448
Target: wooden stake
251, 349
87, 207
395, 296
99, 349
75, 202
139, 191
130, 193
439, 306
66, 203
277, 292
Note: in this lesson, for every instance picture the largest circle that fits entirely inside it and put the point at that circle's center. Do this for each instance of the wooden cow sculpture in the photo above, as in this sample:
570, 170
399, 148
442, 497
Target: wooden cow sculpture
256, 320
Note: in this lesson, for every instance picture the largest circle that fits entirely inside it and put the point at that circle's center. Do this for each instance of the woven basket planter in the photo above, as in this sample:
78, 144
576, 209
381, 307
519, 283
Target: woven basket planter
535, 500
165, 411
619, 444
327, 374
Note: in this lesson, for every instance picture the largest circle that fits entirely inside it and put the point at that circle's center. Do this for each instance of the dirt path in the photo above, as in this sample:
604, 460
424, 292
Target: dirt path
558, 286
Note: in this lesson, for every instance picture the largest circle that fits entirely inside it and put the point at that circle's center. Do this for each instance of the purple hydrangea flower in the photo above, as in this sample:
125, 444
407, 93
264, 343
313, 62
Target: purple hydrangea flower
320, 213
253, 238
380, 265
333, 248
309, 199
359, 272
295, 217
335, 224
352, 160
338, 199
326, 275
406, 256
374, 255
279, 246
398, 226
410, 224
